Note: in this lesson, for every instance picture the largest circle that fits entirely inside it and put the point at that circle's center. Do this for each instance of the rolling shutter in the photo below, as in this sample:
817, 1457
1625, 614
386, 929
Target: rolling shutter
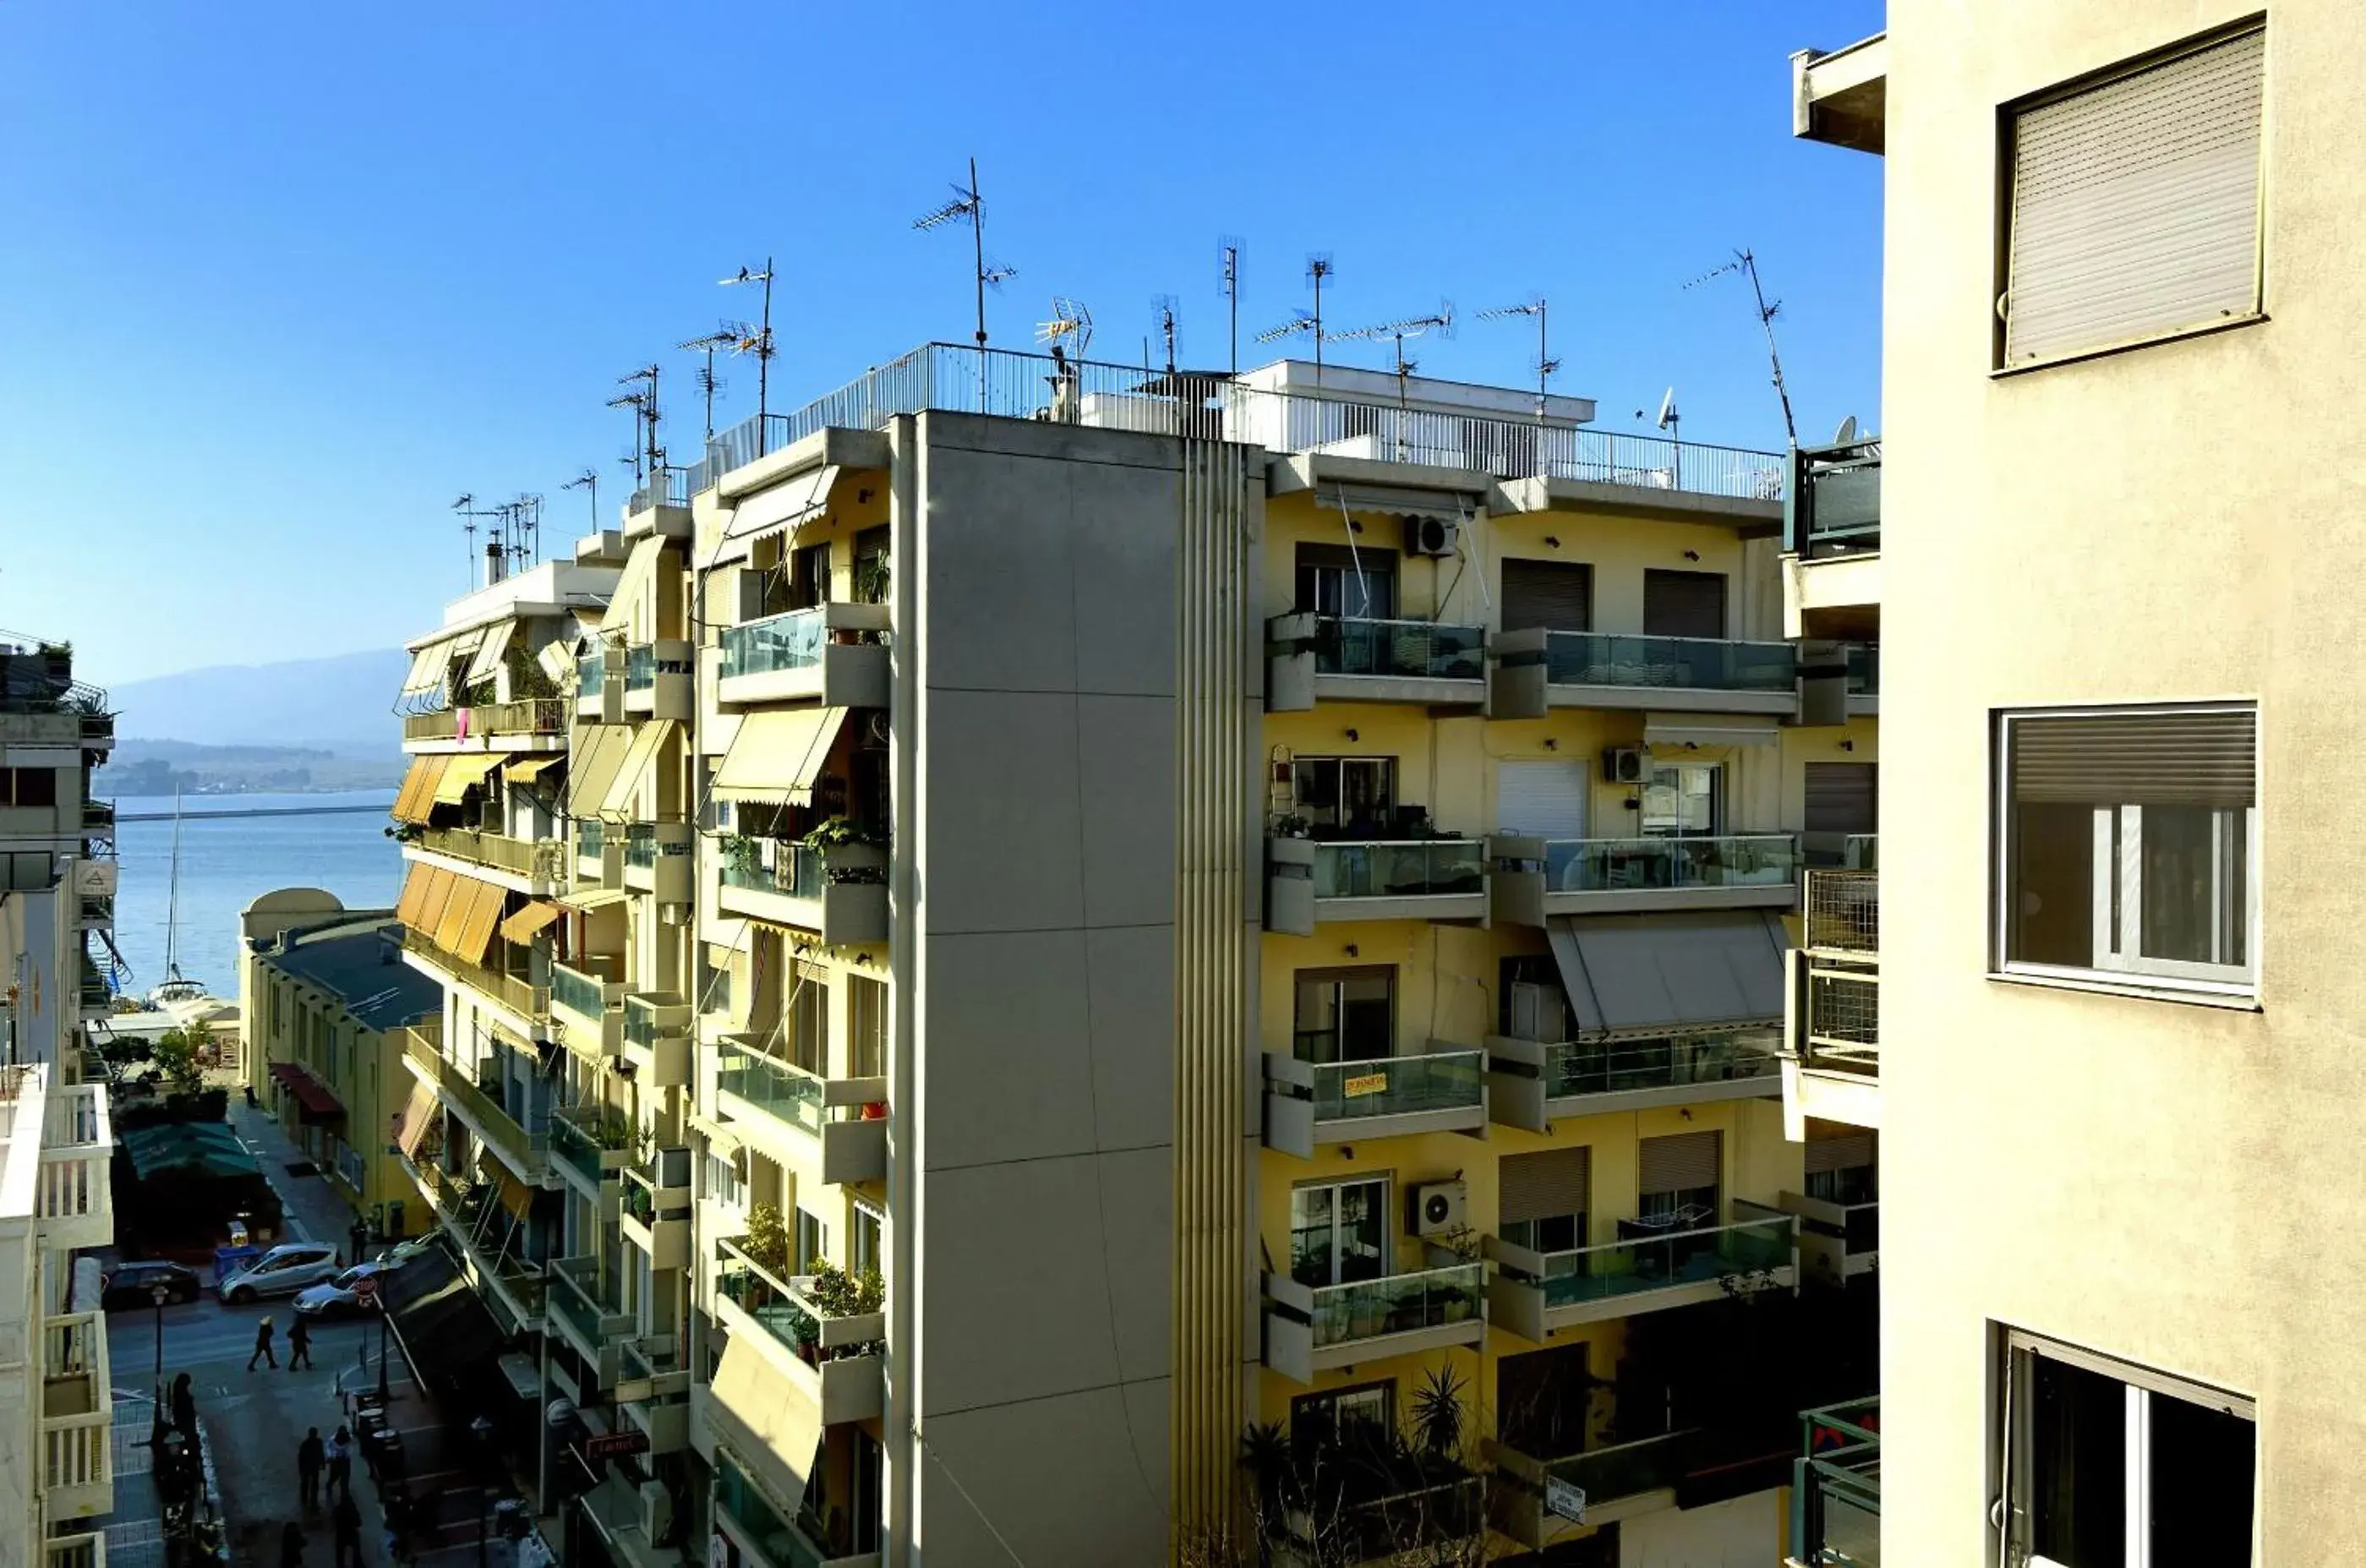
1543, 1186
1840, 1151
1683, 604
2135, 205
1544, 800
1842, 798
1679, 1163
2184, 757
1557, 596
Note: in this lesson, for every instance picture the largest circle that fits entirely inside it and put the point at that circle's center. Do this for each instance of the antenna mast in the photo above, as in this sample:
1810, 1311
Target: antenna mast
588, 480
707, 382
758, 343
968, 206
1745, 263
1166, 306
1546, 364
1230, 248
1442, 324
1305, 322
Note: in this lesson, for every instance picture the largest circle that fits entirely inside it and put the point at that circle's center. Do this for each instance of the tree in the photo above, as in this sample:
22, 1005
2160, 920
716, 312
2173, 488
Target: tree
177, 1057
767, 1242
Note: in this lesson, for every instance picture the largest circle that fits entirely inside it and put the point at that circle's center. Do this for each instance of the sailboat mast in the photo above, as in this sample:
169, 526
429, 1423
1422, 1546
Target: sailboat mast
173, 897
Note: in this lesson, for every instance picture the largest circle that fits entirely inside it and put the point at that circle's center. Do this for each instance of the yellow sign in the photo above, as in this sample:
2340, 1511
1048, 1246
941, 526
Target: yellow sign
1365, 1083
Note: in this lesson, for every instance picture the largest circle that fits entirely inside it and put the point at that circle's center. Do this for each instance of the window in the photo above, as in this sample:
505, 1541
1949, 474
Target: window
1683, 604
867, 1027
1343, 1415
871, 577
1556, 595
2129, 846
812, 1242
1543, 1198
863, 1252
1351, 795
2134, 208
29, 787
2110, 1465
1334, 580
809, 1030
1677, 1181
1339, 1231
1840, 1163
1345, 1015
1686, 800
809, 577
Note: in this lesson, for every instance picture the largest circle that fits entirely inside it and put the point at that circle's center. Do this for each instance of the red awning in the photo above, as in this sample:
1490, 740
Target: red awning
311, 1093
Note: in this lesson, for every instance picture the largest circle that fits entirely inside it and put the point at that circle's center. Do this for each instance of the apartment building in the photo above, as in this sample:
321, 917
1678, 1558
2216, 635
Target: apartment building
57, 893
328, 1004
2119, 965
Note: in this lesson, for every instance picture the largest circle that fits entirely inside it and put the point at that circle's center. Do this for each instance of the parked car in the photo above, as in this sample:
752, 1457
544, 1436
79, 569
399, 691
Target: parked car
338, 1298
282, 1271
133, 1284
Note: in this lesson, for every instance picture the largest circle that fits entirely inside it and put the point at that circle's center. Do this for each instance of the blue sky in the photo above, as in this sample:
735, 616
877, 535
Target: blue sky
280, 279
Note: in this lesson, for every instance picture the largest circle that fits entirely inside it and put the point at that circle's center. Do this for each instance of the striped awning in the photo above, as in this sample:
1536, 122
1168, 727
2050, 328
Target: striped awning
617, 803
462, 774
416, 798
522, 926
778, 754
415, 1120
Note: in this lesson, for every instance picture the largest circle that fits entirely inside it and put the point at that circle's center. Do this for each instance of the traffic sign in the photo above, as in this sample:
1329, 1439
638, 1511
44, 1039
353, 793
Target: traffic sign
366, 1290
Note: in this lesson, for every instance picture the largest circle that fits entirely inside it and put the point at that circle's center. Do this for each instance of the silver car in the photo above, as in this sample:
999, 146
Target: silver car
282, 1271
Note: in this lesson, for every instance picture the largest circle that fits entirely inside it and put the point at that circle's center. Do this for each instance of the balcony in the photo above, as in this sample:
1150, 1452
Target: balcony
1842, 97
653, 1391
599, 685
470, 1212
833, 653
1312, 658
1310, 880
1309, 1103
533, 723
482, 1105
838, 1362
655, 1212
85, 1551
1531, 1084
540, 863
1833, 1007
657, 1038
1534, 878
1836, 1487
527, 1002
801, 1116
659, 860
666, 490
591, 1145
73, 1202
1832, 543
94, 995
98, 818
1837, 1241
657, 679
77, 1416
581, 1303
1651, 1269
1353, 1502
1309, 1329
839, 891
765, 1532
1604, 1484
587, 1003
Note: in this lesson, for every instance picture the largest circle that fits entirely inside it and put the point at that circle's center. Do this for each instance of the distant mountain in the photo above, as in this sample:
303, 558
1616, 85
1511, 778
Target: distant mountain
341, 705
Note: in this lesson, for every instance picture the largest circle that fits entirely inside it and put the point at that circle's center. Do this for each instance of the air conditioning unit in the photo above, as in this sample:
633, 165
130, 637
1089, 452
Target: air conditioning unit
1440, 1208
1430, 536
657, 1510
1624, 764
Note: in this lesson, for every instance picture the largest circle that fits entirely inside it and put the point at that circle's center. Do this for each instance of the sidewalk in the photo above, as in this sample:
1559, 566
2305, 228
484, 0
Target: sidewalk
314, 1210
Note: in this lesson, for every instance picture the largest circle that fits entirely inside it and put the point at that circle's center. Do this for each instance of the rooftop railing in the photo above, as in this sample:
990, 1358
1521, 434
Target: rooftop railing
957, 378
668, 486
1835, 501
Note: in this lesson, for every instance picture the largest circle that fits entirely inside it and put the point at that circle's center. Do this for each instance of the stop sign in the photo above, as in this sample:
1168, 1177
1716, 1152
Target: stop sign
366, 1290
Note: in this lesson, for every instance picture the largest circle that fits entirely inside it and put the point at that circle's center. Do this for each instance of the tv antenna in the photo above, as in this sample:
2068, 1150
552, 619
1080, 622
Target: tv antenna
758, 341
1673, 423
1308, 323
1228, 250
588, 480
1746, 264
526, 543
1546, 364
724, 337
1164, 305
1397, 331
1071, 322
465, 505
969, 207
643, 401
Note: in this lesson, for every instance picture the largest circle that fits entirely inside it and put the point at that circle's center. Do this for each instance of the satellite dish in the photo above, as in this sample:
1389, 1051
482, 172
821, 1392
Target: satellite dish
1846, 432
1668, 408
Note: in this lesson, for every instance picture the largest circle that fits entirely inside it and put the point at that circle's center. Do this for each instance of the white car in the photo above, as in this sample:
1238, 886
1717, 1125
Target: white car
338, 1298
282, 1271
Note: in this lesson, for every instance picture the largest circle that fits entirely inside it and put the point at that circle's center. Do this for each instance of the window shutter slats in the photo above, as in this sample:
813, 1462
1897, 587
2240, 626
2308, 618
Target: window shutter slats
1545, 799
1683, 604
1843, 1151
1679, 1163
2197, 757
1557, 595
1543, 1186
2135, 205
1841, 797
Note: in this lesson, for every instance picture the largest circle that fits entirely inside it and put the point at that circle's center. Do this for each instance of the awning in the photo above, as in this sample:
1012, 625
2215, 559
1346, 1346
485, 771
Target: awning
415, 1120
599, 751
415, 882
463, 773
636, 583
185, 1149
1682, 731
558, 661
588, 898
522, 926
458, 900
311, 1095
1396, 500
788, 504
778, 754
721, 1142
431, 902
448, 1335
491, 652
417, 795
515, 1195
617, 802
1642, 976
525, 770
773, 1427
476, 931
433, 662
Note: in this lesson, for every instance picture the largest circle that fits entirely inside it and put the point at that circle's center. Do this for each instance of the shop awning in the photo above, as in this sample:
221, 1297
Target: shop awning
417, 797
773, 1427
463, 773
599, 751
1675, 732
311, 1095
589, 899
778, 754
522, 926
415, 1120
446, 1334
617, 803
789, 505
1644, 976
187, 1148
491, 652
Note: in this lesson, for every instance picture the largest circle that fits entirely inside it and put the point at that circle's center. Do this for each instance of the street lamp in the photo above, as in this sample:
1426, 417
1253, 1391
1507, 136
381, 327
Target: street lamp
379, 1297
482, 1428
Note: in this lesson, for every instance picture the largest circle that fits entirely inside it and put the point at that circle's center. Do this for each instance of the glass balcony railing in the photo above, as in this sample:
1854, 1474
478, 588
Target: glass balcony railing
1662, 1262
591, 837
1398, 1086
1865, 668
1616, 865
789, 1094
773, 865
640, 668
1367, 1309
1592, 1067
1627, 1470
783, 1544
1415, 868
591, 673
790, 641
1680, 663
640, 844
592, 1141
585, 1298
1836, 1487
580, 993
1411, 648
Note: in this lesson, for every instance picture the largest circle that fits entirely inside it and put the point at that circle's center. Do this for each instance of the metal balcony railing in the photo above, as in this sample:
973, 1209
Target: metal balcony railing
520, 997
1411, 868
1673, 663
1834, 506
526, 1147
1613, 865
541, 859
668, 486
1415, 649
1836, 1487
1843, 910
528, 716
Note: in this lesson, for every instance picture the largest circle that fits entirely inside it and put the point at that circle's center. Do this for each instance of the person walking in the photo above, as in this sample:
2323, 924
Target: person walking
310, 1455
263, 1350
184, 1409
341, 1463
291, 1545
300, 1344
348, 1520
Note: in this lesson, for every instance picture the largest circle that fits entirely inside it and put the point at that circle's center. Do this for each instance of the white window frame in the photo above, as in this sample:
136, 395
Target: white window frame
2119, 888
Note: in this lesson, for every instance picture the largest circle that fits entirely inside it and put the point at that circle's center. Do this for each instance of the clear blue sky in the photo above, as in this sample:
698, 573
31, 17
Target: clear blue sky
280, 279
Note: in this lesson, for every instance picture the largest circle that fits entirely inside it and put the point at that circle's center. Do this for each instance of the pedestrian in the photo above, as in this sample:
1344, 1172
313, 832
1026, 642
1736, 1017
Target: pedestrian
341, 1462
299, 1343
398, 1550
348, 1520
185, 1408
291, 1545
309, 1457
263, 1350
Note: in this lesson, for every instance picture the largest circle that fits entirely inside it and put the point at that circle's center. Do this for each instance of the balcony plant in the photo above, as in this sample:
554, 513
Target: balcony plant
767, 1241
834, 833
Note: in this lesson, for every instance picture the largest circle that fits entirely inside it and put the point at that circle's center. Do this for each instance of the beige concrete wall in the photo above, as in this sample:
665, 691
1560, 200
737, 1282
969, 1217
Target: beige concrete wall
2172, 1184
